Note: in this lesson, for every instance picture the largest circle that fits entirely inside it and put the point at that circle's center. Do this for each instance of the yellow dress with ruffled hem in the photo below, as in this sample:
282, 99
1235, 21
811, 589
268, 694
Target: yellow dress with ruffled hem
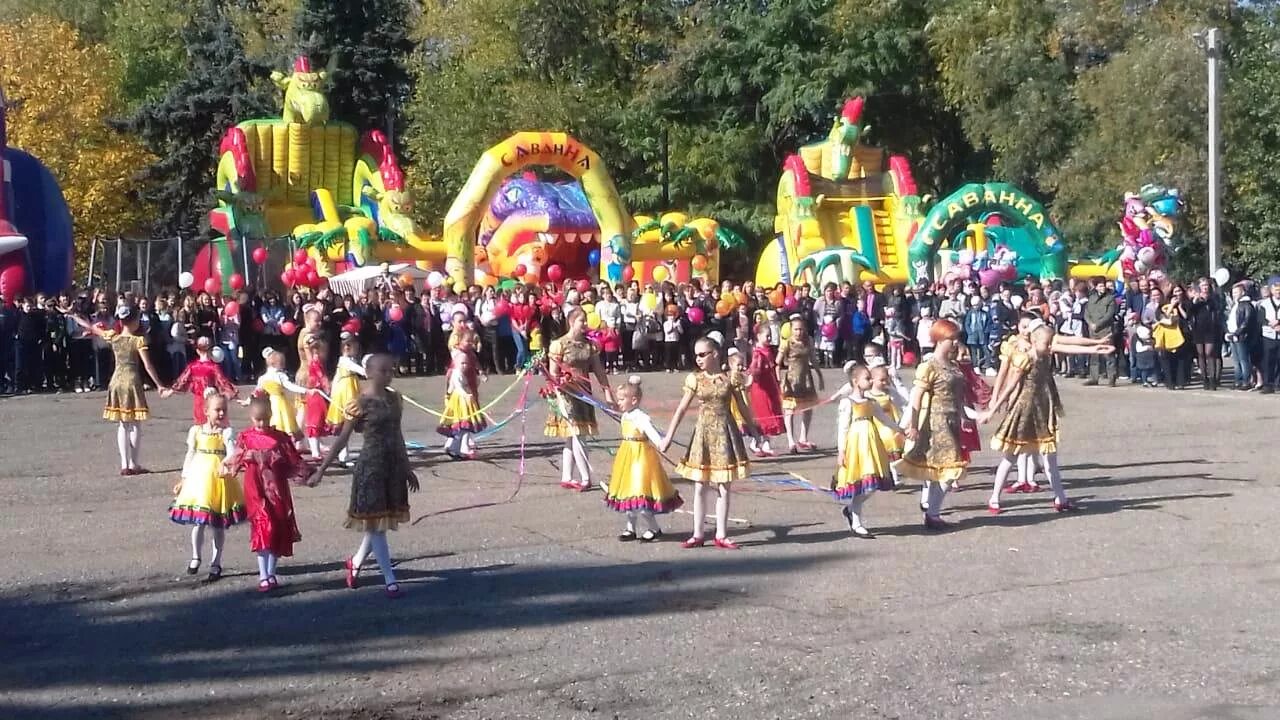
571, 417
283, 417
638, 481
1031, 425
889, 434
865, 465
345, 386
207, 497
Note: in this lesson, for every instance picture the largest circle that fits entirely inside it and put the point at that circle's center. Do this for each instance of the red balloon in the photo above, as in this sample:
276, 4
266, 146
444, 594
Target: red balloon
790, 303
288, 328
213, 285
313, 278
395, 314
555, 273
502, 308
237, 280
628, 274
584, 285
300, 257
557, 298
288, 278
231, 309
695, 315
259, 255
353, 325
520, 271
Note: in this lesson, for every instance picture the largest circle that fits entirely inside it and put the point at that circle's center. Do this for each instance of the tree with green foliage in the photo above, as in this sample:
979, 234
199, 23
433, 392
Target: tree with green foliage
147, 36
365, 45
220, 87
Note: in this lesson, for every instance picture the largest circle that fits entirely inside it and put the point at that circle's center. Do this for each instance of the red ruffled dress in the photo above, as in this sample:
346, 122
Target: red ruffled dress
199, 375
764, 394
316, 409
976, 395
269, 462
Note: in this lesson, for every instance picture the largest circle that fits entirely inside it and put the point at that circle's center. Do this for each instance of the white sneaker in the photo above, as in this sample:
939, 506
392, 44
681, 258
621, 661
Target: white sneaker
1123, 377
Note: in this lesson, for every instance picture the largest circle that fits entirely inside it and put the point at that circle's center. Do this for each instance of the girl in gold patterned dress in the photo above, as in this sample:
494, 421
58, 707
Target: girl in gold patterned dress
717, 454
1031, 424
126, 400
571, 361
638, 485
932, 421
795, 376
382, 479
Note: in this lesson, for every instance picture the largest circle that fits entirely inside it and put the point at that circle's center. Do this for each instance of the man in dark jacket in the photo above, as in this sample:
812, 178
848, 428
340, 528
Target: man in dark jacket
1099, 320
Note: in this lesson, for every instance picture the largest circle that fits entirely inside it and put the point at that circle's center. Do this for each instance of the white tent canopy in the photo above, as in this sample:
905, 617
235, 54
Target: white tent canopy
363, 279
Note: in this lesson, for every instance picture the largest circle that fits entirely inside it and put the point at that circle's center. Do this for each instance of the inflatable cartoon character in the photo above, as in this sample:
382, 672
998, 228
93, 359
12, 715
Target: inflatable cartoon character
304, 98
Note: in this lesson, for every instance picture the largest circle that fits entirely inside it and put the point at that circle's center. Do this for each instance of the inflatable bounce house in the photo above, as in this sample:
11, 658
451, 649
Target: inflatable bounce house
341, 198
992, 232
846, 211
525, 229
345, 204
36, 251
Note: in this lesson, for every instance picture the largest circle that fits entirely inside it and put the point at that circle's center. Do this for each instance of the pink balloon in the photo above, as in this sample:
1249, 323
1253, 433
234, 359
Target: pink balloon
288, 277
313, 278
231, 309
828, 330
395, 314
213, 285
696, 315
300, 257
584, 285
237, 280
555, 273
288, 328
790, 303
259, 255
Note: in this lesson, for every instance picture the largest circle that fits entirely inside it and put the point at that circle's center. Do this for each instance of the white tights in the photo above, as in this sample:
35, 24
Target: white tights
935, 494
699, 509
128, 438
267, 564
855, 510
377, 543
641, 515
1026, 468
197, 543
797, 426
313, 444
461, 444
574, 455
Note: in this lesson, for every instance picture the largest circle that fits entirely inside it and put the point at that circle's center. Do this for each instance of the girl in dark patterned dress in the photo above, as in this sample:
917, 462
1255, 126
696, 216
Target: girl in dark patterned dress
381, 481
717, 453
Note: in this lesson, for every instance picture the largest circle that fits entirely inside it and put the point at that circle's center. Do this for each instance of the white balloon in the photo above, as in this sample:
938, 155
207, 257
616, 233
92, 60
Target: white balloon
178, 331
1016, 301
217, 354
1140, 267
1222, 276
1147, 256
435, 279
186, 280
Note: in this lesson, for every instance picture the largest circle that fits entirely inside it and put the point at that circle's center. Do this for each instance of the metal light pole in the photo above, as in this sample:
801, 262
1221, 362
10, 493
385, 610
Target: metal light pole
1211, 49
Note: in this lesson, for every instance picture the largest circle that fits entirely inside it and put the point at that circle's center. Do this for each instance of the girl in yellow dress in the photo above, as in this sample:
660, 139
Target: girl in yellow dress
638, 486
462, 417
345, 386
275, 383
864, 466
206, 497
891, 403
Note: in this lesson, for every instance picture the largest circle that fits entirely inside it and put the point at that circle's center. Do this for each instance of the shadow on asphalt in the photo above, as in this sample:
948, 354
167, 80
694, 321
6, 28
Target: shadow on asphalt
78, 638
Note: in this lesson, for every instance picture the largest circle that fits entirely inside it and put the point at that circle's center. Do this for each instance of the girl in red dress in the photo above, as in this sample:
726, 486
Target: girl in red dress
764, 395
314, 424
200, 374
270, 462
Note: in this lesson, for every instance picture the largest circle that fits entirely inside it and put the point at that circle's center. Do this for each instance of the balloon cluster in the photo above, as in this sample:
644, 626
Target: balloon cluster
302, 272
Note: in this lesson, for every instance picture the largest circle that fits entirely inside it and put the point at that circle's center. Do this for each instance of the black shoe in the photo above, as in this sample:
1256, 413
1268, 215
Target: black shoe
215, 573
848, 516
193, 567
627, 536
651, 536
1090, 383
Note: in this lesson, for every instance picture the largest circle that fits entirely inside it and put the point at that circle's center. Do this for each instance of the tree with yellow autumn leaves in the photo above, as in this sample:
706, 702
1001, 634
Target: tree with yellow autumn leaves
61, 92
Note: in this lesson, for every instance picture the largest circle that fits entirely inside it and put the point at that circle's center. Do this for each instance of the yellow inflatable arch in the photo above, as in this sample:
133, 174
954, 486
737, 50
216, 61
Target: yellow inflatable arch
521, 150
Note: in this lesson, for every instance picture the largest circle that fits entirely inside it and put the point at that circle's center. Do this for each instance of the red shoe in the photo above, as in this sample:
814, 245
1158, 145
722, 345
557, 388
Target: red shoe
581, 487
1065, 507
264, 586
125, 472
993, 509
693, 542
353, 582
275, 583
569, 485
726, 544
806, 446
1033, 488
139, 471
